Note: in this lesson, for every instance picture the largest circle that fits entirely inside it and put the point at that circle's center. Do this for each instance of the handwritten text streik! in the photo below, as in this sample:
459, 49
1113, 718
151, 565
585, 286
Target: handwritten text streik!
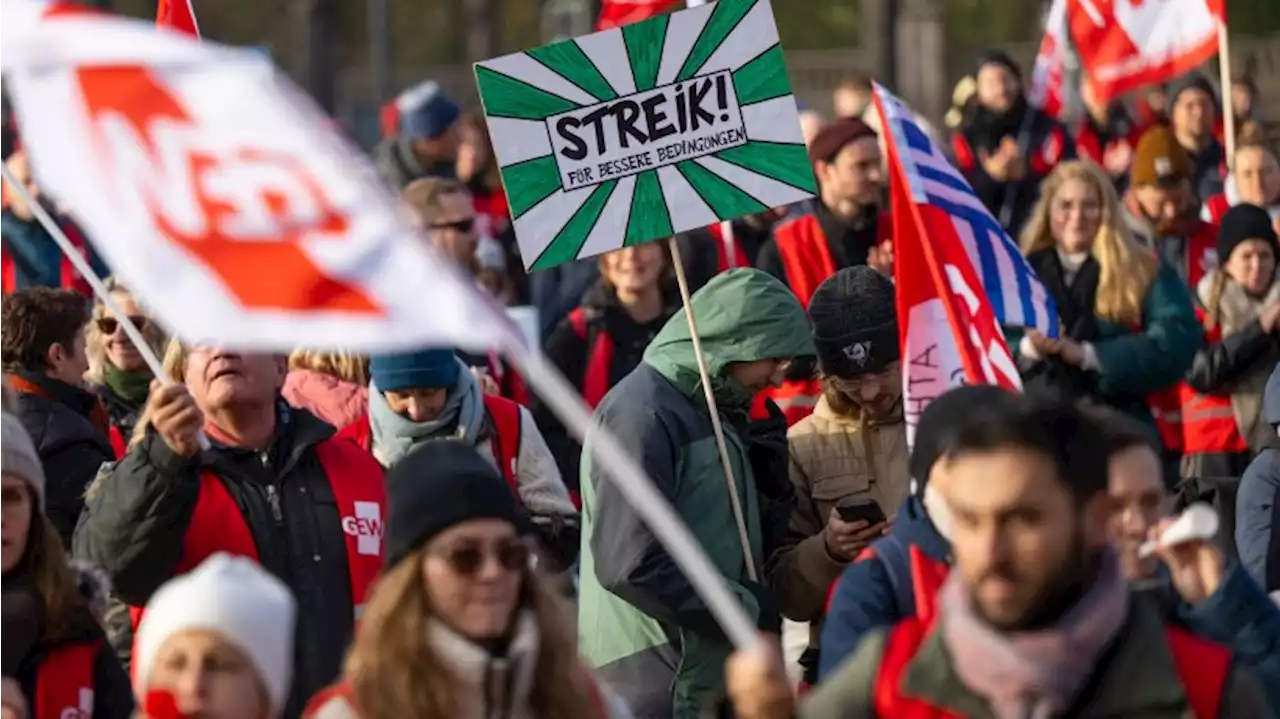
647, 130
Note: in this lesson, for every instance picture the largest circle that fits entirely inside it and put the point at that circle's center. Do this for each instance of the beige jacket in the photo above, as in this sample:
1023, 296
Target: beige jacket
832, 458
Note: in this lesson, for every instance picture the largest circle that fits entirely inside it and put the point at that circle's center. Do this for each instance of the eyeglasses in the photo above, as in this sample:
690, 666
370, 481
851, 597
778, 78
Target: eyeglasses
462, 226
876, 379
467, 558
108, 325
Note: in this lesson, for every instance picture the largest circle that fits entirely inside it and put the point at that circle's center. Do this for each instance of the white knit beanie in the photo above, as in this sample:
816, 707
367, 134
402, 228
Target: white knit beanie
19, 455
237, 599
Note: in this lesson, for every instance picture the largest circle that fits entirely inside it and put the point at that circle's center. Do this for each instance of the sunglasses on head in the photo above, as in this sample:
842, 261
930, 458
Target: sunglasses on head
108, 325
461, 225
467, 558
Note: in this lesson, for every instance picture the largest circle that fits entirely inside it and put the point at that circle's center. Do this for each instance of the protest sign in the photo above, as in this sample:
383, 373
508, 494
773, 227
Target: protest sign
636, 133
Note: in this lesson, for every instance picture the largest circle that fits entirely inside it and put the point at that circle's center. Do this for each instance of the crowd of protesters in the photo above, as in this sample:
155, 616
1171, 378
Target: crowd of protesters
334, 536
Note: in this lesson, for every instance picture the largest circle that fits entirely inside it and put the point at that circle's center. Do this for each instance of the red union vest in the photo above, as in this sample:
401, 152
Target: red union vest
723, 262
1202, 252
218, 525
927, 577
595, 380
506, 441
1208, 422
64, 682
1202, 667
1214, 208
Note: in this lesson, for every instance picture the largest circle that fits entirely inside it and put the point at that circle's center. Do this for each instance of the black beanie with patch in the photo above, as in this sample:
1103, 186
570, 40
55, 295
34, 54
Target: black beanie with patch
855, 322
1242, 223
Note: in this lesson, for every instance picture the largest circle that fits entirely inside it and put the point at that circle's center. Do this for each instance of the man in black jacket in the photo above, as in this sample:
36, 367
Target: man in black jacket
44, 360
273, 486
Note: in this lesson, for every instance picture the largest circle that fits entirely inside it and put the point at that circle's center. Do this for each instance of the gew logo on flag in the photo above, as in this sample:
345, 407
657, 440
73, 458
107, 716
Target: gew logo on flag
366, 527
1016, 294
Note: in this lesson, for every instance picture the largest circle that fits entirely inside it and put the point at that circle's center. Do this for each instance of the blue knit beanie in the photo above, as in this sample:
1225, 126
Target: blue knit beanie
427, 369
426, 112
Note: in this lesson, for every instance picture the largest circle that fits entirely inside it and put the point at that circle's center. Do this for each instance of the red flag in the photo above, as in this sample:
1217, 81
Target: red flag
177, 15
1048, 88
1127, 44
946, 326
616, 13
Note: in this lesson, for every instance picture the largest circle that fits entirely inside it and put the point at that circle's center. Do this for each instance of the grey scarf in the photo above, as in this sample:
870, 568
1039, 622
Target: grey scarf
395, 435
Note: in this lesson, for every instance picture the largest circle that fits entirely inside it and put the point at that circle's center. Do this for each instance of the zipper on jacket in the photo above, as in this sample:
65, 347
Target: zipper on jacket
273, 498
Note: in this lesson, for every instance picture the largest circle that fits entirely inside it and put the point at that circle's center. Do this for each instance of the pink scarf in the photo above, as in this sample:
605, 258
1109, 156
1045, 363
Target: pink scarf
1033, 674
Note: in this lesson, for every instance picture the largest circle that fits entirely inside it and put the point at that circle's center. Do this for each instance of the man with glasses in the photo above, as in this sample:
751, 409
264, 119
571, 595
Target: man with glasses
444, 211
848, 458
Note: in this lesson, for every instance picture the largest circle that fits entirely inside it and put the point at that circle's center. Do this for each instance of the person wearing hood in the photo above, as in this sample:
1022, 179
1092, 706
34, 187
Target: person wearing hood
898, 576
431, 395
603, 339
1222, 425
426, 137
1004, 146
1194, 116
53, 646
850, 455
642, 625
1258, 501
216, 643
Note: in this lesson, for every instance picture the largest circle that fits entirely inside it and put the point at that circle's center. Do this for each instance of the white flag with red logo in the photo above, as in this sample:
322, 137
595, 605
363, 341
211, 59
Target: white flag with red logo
1048, 86
957, 273
1126, 44
222, 196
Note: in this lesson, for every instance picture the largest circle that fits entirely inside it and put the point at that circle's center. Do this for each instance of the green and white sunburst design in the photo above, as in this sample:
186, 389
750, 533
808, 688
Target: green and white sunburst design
577, 189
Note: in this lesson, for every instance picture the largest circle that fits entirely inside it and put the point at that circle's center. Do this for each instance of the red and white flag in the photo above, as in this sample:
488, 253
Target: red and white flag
946, 324
222, 196
616, 13
1126, 44
177, 15
1048, 88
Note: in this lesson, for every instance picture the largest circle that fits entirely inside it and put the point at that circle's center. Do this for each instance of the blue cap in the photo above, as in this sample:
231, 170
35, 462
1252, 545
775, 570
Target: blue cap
427, 369
426, 111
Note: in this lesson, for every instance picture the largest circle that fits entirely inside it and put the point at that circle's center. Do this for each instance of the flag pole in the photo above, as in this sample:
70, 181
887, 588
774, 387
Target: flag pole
82, 266
635, 486
1224, 80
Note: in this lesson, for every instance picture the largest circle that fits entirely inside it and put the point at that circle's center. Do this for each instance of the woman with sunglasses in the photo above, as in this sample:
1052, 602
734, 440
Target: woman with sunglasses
848, 458
460, 624
117, 371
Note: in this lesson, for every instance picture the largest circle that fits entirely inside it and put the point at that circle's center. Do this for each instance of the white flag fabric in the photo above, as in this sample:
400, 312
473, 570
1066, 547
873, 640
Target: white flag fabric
1047, 89
223, 196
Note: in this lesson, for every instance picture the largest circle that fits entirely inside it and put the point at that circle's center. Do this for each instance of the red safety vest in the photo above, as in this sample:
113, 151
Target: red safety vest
1042, 162
218, 524
927, 577
64, 681
119, 444
740, 258
1202, 252
68, 277
595, 380
807, 259
1202, 668
506, 441
510, 384
1208, 423
1089, 144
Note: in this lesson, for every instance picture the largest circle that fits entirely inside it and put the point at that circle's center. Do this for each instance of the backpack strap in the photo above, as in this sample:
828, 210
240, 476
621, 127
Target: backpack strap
578, 321
895, 557
506, 429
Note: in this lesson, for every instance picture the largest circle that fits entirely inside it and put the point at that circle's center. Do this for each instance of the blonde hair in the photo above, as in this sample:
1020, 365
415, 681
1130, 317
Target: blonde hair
174, 364
1213, 307
1127, 268
394, 671
344, 365
95, 341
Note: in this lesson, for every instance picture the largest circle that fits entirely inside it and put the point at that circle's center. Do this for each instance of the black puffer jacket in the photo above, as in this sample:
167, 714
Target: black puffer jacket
137, 515
68, 428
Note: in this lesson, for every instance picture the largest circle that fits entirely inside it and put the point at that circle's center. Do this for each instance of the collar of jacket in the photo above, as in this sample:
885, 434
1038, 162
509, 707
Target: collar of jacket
84, 402
489, 683
1140, 675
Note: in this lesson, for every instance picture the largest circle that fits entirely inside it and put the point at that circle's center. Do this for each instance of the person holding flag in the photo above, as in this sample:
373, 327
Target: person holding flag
845, 230
642, 625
